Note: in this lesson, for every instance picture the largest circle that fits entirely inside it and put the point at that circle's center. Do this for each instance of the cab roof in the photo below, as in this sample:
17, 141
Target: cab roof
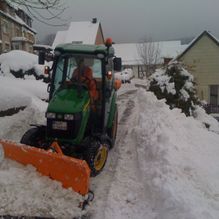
84, 49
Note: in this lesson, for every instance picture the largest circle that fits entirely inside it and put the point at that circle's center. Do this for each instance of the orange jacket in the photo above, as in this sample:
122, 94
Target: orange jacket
87, 77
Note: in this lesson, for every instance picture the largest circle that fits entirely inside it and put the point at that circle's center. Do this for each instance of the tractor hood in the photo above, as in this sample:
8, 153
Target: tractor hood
69, 100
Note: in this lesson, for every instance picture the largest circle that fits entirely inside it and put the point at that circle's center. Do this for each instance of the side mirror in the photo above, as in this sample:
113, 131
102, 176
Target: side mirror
117, 64
41, 59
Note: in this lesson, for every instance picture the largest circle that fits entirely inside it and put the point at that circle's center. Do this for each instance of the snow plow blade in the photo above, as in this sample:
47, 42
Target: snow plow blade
71, 172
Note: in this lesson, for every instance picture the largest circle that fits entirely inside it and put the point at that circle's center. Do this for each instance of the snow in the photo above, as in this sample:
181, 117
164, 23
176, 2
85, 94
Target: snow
20, 60
18, 92
163, 81
178, 161
125, 75
79, 32
16, 60
164, 165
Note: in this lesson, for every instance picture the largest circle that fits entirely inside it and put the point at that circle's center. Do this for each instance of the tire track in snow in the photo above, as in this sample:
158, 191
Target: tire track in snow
126, 197
101, 185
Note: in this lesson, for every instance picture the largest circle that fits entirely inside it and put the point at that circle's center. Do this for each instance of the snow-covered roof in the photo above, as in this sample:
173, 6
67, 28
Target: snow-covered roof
79, 32
129, 52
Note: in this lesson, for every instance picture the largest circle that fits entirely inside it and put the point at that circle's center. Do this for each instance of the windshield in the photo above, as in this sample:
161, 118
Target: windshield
74, 68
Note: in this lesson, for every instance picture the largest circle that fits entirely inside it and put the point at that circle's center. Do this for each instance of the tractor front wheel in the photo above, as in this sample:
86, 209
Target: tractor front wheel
96, 157
34, 137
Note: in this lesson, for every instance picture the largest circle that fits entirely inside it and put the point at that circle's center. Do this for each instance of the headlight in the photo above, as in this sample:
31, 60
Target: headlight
50, 115
68, 117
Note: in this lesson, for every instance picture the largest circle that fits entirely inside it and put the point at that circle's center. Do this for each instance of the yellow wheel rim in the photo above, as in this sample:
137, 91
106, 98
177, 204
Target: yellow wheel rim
100, 158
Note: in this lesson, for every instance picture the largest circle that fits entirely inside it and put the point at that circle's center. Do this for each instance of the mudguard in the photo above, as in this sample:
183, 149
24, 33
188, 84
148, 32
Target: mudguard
71, 172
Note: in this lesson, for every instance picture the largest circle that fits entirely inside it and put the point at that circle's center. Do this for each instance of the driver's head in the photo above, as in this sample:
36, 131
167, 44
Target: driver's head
80, 61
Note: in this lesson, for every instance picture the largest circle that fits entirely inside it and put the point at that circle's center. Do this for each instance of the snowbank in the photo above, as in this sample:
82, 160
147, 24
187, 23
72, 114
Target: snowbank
18, 92
18, 60
178, 158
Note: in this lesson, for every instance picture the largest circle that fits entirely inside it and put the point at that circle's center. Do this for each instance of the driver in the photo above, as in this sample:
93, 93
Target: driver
84, 74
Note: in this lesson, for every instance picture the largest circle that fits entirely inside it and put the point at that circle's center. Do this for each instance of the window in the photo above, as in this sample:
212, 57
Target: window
5, 27
16, 46
67, 64
18, 31
7, 47
214, 94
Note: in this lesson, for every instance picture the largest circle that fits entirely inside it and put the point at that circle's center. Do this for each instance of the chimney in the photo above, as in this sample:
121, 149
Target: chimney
94, 20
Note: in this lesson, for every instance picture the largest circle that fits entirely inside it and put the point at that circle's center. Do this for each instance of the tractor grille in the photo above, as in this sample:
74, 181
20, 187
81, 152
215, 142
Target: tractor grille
71, 131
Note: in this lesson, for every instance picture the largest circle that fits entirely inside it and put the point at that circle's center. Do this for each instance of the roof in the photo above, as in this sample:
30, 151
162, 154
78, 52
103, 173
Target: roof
195, 40
129, 52
79, 32
84, 49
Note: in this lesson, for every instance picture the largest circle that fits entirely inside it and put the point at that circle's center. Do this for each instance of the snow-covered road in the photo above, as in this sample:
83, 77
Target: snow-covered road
119, 188
164, 166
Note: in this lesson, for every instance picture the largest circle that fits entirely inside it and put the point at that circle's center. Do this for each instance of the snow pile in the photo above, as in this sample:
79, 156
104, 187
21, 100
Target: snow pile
208, 120
18, 92
125, 76
18, 60
25, 192
178, 159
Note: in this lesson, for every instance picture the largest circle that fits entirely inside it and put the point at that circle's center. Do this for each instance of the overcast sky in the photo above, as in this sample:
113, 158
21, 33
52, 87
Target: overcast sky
129, 21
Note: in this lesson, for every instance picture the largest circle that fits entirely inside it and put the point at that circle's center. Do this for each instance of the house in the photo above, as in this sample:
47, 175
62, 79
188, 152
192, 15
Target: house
86, 32
201, 58
16, 30
131, 56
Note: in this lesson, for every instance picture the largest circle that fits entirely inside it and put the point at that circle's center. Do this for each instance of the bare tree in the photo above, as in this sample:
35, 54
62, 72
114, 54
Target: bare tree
48, 40
149, 53
45, 11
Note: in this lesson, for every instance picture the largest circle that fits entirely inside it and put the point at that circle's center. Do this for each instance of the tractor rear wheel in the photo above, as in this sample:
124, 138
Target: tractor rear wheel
96, 157
34, 137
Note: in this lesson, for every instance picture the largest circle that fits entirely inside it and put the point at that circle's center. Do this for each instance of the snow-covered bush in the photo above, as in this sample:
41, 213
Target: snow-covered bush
177, 86
20, 63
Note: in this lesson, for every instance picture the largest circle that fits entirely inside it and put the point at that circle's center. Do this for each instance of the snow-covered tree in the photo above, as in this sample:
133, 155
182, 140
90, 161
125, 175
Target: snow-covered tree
177, 86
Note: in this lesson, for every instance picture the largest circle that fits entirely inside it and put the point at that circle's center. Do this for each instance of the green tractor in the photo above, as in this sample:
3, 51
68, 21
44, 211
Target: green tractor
83, 128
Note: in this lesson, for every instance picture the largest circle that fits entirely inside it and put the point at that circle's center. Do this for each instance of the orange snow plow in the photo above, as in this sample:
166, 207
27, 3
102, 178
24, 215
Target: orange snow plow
71, 172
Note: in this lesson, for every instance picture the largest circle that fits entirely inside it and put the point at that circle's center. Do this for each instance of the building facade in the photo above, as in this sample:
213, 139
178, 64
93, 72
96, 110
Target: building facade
202, 59
15, 29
